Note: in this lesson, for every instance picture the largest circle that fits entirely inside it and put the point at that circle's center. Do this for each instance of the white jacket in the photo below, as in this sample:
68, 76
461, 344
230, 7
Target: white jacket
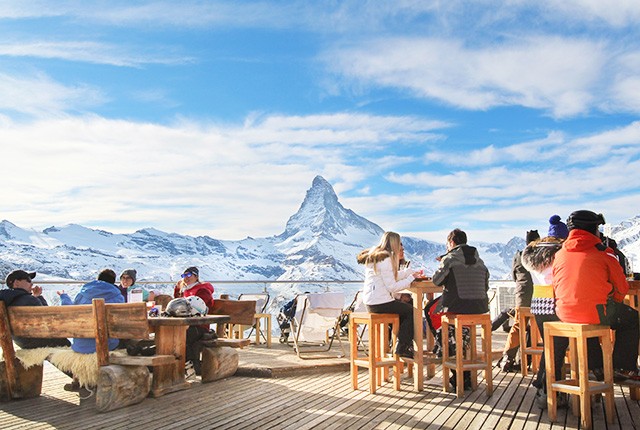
379, 287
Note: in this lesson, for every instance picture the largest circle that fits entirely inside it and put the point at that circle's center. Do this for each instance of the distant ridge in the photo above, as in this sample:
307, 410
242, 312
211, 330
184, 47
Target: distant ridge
320, 241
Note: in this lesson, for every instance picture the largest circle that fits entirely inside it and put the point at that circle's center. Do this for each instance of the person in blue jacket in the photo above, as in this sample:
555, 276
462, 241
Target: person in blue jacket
102, 288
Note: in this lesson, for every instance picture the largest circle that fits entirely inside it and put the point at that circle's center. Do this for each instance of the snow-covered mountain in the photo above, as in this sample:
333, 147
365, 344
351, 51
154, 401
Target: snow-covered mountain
320, 242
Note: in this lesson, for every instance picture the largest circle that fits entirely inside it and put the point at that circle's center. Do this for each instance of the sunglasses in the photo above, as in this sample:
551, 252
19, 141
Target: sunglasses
186, 275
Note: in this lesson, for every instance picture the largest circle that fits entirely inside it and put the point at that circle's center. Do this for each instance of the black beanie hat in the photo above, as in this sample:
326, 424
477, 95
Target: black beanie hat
531, 236
585, 220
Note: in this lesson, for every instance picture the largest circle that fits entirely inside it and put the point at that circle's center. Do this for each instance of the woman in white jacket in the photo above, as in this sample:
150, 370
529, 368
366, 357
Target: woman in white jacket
383, 277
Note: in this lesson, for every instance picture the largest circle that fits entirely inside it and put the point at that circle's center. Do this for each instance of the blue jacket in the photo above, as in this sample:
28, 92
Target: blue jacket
88, 292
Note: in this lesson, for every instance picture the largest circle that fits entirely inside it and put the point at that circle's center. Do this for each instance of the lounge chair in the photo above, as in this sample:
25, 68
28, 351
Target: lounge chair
317, 323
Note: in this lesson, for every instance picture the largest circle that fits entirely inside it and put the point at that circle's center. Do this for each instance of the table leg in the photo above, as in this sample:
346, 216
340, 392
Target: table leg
431, 367
418, 370
170, 340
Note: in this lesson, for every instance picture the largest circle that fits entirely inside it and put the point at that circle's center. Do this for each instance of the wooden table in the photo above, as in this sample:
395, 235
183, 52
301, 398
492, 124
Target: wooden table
171, 339
418, 290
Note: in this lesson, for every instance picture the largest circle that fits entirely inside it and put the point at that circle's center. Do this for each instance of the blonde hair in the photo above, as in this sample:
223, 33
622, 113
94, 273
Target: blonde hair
389, 247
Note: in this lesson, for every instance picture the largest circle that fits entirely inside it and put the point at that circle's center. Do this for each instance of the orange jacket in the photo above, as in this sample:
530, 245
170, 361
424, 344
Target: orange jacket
585, 273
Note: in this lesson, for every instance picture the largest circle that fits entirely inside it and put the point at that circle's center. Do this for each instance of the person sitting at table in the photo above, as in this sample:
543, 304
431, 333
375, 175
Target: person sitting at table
127, 282
22, 292
190, 285
538, 258
590, 286
465, 282
383, 277
102, 288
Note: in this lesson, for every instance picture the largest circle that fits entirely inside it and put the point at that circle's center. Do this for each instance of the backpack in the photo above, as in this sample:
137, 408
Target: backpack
432, 315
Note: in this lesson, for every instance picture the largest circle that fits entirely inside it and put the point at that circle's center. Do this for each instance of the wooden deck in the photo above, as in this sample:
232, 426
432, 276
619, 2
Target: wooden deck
304, 395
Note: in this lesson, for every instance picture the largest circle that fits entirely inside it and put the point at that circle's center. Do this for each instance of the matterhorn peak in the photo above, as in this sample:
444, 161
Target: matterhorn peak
322, 214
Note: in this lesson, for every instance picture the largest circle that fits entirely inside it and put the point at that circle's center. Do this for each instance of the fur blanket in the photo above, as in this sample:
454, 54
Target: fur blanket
83, 366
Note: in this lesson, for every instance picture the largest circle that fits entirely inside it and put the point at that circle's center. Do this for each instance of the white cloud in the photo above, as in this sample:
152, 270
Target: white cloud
550, 73
89, 52
618, 13
188, 177
38, 95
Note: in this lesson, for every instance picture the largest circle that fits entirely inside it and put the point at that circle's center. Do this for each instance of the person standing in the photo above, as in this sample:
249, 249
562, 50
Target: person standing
22, 292
383, 277
523, 293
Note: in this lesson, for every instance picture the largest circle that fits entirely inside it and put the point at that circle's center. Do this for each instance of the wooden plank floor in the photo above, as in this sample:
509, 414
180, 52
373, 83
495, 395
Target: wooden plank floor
309, 401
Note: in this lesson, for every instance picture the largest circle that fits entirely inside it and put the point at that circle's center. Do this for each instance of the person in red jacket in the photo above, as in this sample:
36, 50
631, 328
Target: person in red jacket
586, 274
190, 285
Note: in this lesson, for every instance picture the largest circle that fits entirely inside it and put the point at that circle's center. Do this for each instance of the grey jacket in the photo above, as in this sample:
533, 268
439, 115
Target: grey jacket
465, 281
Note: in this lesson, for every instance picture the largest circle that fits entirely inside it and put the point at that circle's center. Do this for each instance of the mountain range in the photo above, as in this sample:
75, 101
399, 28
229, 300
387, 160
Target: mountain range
320, 242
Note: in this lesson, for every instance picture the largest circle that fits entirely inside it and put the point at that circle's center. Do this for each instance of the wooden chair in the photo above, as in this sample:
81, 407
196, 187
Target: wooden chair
579, 384
472, 362
378, 359
533, 348
240, 312
262, 300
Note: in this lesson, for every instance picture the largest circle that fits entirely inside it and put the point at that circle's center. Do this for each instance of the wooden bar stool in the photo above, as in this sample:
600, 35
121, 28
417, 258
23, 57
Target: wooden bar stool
579, 384
533, 348
472, 362
378, 360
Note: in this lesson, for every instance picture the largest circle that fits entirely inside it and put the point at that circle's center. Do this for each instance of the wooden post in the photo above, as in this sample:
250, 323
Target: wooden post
102, 339
7, 350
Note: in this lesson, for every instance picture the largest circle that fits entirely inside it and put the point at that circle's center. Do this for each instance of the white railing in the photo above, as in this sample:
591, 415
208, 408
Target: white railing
501, 291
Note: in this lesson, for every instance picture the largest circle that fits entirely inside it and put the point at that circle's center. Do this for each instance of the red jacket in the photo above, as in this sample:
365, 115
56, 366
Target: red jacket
585, 273
203, 290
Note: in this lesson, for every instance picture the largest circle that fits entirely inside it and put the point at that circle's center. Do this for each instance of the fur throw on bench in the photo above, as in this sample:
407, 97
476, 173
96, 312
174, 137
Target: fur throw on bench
83, 366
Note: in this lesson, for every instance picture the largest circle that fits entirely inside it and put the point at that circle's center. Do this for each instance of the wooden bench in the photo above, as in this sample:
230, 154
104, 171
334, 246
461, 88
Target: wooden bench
122, 380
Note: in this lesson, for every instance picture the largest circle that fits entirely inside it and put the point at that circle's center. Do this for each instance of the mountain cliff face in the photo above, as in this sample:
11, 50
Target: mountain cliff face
320, 242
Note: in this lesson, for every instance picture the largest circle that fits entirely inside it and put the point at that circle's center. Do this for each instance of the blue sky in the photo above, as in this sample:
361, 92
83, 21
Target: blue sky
213, 117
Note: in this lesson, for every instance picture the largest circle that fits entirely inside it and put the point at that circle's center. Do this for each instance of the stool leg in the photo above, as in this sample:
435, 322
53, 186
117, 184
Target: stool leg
397, 370
522, 322
486, 347
444, 331
384, 349
459, 357
373, 348
551, 375
574, 352
585, 397
473, 355
608, 378
535, 340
